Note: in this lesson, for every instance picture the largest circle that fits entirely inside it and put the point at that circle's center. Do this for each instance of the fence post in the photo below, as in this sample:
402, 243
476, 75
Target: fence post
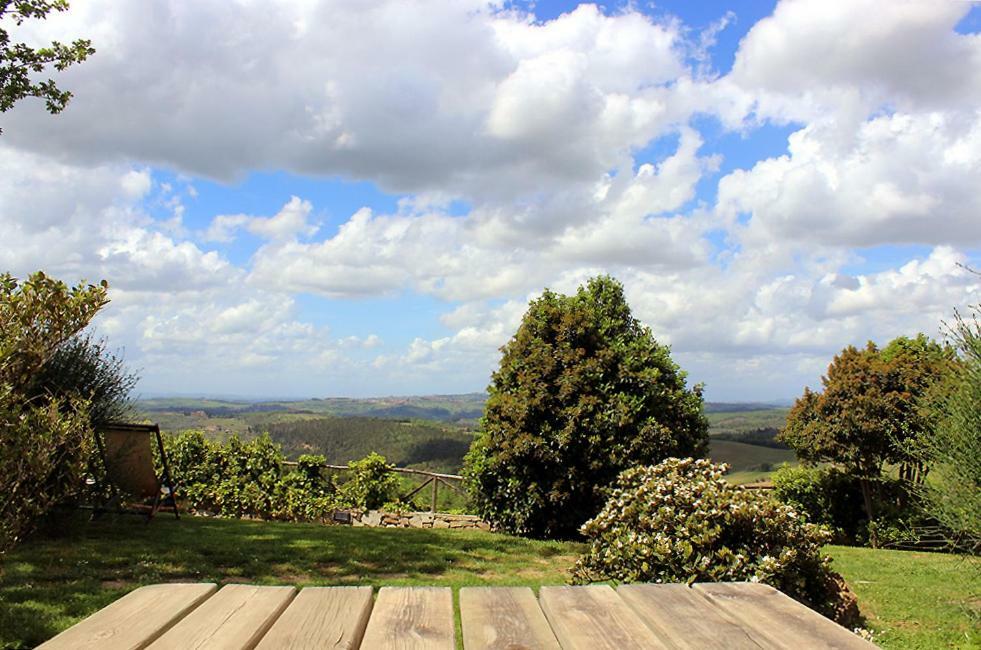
435, 489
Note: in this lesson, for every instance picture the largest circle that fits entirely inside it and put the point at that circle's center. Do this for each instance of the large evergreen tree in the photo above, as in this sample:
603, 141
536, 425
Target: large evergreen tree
582, 393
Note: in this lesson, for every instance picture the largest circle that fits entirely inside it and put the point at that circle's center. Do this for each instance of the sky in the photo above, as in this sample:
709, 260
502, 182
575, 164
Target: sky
326, 198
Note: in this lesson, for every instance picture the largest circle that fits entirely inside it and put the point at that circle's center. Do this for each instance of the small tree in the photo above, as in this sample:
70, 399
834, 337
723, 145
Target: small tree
87, 368
18, 60
44, 444
869, 410
582, 393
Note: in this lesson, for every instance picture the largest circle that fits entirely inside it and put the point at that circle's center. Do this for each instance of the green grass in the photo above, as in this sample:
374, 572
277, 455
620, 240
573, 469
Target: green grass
49, 584
915, 600
748, 458
743, 421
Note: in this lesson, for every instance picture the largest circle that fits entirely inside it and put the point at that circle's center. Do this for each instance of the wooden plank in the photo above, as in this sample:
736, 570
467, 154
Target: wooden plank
236, 617
504, 618
595, 618
416, 618
135, 620
321, 617
685, 618
776, 620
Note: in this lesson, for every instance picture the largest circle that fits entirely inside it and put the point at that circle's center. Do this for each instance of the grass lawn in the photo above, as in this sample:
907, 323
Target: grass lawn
913, 600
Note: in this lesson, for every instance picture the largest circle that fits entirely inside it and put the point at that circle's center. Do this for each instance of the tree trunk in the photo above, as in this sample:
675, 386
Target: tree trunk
869, 510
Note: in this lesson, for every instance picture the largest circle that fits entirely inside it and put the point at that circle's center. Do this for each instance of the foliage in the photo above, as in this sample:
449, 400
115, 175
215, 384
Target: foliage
44, 444
370, 485
18, 60
953, 448
246, 479
429, 445
681, 521
240, 478
825, 495
583, 392
86, 367
869, 410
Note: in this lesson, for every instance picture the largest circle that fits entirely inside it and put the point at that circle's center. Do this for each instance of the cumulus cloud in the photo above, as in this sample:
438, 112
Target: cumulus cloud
856, 57
899, 178
430, 96
291, 221
542, 128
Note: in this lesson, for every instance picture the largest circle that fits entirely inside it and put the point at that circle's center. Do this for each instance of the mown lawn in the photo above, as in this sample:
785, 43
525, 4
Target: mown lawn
913, 600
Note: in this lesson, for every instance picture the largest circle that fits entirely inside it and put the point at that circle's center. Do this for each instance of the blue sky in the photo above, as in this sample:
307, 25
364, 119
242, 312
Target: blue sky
312, 199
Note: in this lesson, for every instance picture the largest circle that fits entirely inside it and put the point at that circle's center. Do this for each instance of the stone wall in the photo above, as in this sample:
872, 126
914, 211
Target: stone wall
380, 519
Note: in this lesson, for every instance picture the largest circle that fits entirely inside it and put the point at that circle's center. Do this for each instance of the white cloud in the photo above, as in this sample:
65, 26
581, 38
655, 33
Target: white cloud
896, 179
855, 57
537, 125
290, 222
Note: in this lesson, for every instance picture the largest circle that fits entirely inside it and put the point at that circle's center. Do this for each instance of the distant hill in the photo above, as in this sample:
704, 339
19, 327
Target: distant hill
444, 408
430, 431
424, 445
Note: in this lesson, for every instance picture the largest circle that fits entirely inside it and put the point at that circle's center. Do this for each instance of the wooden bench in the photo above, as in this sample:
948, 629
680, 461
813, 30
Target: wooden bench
199, 616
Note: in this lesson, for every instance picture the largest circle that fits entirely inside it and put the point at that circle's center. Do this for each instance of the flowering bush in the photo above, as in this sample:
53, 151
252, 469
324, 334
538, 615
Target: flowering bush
681, 521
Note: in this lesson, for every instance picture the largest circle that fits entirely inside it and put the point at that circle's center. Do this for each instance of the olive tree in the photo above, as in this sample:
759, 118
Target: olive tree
583, 392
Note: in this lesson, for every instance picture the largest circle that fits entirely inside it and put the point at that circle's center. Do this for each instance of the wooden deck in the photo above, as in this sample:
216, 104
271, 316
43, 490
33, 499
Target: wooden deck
726, 615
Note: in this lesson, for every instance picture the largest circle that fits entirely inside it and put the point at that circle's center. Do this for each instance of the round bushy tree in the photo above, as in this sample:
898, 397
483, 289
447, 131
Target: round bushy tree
582, 393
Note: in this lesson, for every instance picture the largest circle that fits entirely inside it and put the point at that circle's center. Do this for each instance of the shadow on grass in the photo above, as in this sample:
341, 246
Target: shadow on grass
48, 583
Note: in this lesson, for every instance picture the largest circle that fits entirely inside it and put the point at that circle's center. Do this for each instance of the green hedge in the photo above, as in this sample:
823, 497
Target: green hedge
249, 479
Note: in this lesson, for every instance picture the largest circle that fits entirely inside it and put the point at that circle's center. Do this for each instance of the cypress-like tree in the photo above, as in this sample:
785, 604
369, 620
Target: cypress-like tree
583, 392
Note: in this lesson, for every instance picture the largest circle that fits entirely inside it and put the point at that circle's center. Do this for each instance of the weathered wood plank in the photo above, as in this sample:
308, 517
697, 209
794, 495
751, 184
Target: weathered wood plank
595, 618
135, 620
321, 617
504, 618
685, 618
776, 620
416, 618
236, 617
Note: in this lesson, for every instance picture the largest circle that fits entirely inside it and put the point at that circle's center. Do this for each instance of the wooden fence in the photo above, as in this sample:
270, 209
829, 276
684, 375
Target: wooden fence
432, 479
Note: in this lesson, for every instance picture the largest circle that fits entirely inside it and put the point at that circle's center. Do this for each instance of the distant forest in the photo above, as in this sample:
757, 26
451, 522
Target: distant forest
423, 445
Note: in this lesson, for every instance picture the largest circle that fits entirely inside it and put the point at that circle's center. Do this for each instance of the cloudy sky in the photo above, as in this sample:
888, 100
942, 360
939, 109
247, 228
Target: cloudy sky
307, 198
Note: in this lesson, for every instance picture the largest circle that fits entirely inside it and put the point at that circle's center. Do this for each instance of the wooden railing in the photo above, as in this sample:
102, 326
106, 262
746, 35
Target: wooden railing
433, 479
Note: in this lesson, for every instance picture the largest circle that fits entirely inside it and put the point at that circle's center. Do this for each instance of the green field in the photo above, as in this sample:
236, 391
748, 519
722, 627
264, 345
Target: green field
748, 458
746, 421
912, 600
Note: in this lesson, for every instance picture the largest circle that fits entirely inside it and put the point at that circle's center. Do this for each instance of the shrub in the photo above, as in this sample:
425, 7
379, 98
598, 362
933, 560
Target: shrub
826, 496
44, 444
87, 368
247, 479
583, 392
370, 485
681, 521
